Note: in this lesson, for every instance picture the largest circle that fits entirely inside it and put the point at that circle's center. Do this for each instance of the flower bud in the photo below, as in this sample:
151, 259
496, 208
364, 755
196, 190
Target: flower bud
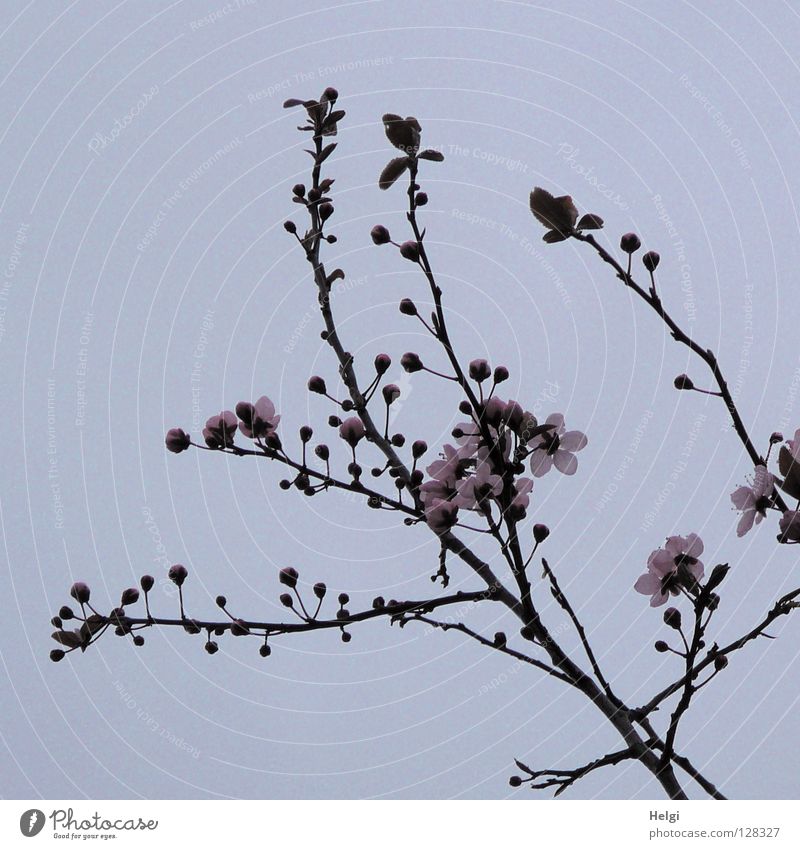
398, 440
129, 596
380, 235
465, 407
56, 655
418, 448
421, 199
265, 650
288, 577
407, 307
515, 781
221, 601
500, 639
298, 190
319, 590
382, 363
211, 647
306, 433
410, 250
177, 574
479, 370
500, 374
334, 421
630, 243
651, 260
346, 637
720, 662
290, 227
325, 210
411, 362
80, 592
56, 622
343, 599
683, 381
146, 582
323, 452
286, 600
317, 384
391, 392
540, 532
138, 640
330, 94
660, 646
347, 405
352, 431
672, 618
177, 440
776, 438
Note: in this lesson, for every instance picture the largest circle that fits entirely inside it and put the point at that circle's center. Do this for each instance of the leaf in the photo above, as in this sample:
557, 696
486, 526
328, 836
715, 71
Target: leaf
557, 213
403, 133
522, 766
392, 171
292, 101
790, 469
326, 152
552, 236
336, 274
590, 221
432, 155
67, 638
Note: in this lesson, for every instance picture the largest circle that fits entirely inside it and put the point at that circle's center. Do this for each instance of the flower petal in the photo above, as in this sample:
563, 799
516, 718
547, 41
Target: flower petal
541, 462
565, 462
573, 440
746, 522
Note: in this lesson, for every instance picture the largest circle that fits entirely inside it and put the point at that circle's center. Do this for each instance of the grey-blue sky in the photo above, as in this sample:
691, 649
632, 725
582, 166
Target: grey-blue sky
132, 254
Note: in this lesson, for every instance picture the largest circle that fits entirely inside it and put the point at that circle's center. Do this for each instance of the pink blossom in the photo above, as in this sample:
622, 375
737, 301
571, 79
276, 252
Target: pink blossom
441, 515
669, 568
352, 431
219, 430
453, 465
259, 419
556, 447
474, 490
521, 500
434, 490
753, 500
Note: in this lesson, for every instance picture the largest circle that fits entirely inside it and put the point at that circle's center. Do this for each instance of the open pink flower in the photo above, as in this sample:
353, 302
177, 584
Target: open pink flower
219, 430
670, 568
556, 447
753, 500
257, 420
474, 490
453, 465
521, 499
794, 446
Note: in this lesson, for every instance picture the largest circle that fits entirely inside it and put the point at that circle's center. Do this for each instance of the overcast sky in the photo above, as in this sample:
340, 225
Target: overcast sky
147, 282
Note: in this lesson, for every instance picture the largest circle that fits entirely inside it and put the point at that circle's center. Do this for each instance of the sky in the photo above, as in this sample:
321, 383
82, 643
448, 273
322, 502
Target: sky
147, 282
